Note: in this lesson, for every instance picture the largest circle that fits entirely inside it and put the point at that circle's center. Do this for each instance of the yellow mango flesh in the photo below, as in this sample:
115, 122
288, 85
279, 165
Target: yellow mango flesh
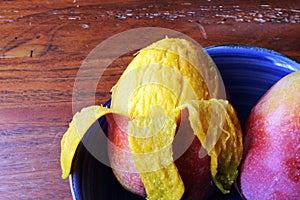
164, 78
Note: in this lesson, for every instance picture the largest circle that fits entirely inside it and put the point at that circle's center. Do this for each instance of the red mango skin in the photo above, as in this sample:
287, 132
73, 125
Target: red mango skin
271, 162
193, 166
120, 157
194, 170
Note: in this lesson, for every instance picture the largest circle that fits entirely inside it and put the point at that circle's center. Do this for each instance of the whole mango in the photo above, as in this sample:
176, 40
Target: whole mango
271, 159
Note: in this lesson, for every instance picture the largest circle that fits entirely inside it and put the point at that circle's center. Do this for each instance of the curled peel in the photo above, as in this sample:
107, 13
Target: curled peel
79, 125
216, 125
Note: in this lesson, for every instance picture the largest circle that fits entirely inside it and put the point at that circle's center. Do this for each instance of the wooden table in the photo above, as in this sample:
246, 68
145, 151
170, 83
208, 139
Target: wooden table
43, 44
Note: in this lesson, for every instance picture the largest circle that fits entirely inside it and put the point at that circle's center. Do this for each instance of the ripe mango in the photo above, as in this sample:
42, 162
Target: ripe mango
147, 105
271, 160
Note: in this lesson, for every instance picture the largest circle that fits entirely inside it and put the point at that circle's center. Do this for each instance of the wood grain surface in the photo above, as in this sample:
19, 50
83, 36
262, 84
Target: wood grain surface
43, 45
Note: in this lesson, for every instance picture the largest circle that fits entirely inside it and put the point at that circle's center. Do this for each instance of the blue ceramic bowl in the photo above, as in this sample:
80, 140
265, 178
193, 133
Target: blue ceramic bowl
247, 71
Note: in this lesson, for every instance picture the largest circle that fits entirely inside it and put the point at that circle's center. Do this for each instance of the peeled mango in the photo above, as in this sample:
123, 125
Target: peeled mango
164, 79
271, 161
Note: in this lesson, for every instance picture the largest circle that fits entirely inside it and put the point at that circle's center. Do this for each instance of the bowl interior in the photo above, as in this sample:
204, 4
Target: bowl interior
247, 71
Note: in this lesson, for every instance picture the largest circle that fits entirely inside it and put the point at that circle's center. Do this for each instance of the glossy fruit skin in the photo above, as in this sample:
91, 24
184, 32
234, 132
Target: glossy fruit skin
271, 160
193, 168
120, 157
194, 171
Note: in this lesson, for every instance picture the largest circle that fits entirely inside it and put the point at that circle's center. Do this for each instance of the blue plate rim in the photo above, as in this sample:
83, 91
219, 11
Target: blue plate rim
241, 49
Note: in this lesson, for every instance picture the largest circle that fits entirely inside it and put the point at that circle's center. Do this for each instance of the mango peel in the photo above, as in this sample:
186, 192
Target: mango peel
79, 125
164, 78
